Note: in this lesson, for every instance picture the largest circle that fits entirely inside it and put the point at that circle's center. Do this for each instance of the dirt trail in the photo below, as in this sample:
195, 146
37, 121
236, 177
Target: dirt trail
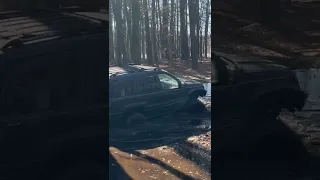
161, 149
158, 163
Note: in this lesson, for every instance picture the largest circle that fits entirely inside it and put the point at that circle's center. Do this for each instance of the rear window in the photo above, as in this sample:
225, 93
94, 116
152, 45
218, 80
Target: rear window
121, 88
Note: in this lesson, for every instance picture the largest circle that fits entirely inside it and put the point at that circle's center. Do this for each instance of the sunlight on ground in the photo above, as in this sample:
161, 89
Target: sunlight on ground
158, 163
203, 140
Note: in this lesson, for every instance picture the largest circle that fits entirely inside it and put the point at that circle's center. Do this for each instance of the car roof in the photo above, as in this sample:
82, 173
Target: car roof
116, 71
19, 28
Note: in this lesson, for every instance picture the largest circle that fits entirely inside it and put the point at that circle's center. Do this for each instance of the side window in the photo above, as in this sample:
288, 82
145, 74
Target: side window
146, 84
168, 82
121, 88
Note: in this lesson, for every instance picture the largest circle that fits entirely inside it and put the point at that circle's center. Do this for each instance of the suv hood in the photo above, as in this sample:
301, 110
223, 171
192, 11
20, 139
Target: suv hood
261, 65
191, 82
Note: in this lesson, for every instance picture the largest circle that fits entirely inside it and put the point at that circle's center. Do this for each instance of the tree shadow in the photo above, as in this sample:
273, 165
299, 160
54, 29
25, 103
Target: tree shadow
167, 133
171, 169
116, 171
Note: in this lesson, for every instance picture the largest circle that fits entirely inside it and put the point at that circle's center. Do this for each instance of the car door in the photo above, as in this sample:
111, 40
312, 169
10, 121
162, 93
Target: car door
147, 94
173, 97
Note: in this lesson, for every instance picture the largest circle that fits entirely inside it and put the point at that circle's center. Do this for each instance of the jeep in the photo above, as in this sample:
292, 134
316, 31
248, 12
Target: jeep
140, 93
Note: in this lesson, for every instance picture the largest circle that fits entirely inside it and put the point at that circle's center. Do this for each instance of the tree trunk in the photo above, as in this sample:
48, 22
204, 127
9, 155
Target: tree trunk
172, 30
120, 51
166, 35
154, 35
193, 32
129, 18
148, 37
200, 44
183, 31
158, 24
206, 30
197, 19
127, 26
135, 37
143, 48
160, 30
177, 33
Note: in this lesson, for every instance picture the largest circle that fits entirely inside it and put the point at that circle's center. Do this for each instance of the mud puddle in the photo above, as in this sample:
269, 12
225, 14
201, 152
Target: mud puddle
163, 149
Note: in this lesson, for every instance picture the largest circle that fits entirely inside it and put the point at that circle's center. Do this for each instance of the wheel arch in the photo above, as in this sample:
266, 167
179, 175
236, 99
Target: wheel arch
198, 92
288, 98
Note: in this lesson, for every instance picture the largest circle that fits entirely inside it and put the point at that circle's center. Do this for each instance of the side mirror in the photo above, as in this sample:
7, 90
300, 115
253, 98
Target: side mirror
180, 84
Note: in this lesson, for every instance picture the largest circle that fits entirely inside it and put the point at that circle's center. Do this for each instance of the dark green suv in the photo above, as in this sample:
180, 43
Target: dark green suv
139, 93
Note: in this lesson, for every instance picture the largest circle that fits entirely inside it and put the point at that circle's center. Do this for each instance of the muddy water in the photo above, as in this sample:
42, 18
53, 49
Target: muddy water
153, 151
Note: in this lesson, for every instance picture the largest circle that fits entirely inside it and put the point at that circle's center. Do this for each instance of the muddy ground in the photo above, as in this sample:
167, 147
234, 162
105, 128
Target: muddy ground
179, 147
175, 146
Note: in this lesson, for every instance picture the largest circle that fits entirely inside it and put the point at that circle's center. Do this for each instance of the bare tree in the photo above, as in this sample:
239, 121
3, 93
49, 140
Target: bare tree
154, 35
193, 32
135, 37
143, 48
206, 29
183, 31
127, 25
160, 28
120, 50
172, 28
147, 29
166, 35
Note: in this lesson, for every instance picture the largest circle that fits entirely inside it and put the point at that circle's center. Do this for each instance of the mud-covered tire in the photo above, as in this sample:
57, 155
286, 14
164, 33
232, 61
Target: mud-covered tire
193, 105
134, 119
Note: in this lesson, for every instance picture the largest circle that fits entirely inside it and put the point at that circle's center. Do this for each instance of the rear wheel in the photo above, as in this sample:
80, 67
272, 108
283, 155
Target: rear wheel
134, 119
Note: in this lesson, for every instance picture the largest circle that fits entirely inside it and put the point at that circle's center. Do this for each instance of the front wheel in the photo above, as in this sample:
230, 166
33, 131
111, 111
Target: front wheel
193, 105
